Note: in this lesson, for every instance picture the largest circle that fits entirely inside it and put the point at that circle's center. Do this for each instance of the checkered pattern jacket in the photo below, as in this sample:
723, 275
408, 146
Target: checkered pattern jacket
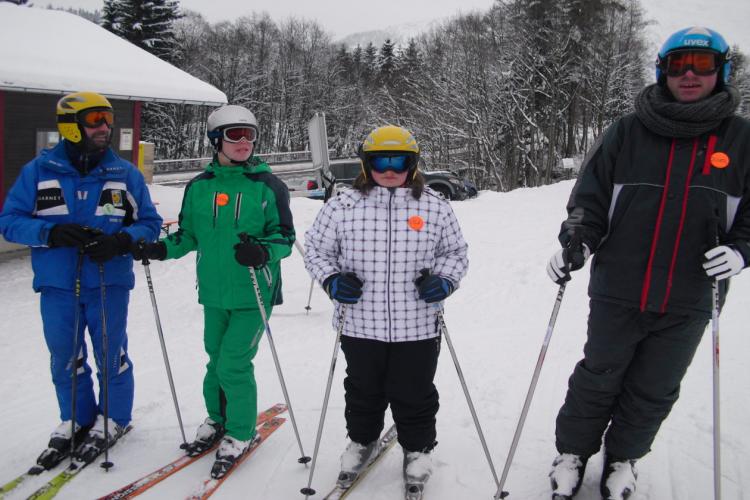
386, 238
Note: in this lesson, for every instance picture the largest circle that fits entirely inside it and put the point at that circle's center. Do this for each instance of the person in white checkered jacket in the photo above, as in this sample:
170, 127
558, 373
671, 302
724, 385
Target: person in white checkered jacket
391, 250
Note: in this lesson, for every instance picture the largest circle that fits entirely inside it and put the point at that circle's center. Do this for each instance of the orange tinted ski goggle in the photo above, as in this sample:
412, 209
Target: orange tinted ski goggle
701, 62
92, 118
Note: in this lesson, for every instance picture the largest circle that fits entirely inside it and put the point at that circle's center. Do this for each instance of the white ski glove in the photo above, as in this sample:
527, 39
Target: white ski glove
557, 268
723, 262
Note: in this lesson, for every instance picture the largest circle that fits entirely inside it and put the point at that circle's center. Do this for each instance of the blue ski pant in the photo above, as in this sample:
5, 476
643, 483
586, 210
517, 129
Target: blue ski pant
58, 309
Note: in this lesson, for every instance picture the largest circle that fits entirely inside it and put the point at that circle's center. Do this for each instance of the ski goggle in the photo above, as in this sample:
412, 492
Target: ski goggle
701, 62
92, 118
236, 134
397, 163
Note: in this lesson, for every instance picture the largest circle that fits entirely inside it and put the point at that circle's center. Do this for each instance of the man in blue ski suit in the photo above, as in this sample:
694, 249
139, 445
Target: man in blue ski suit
80, 207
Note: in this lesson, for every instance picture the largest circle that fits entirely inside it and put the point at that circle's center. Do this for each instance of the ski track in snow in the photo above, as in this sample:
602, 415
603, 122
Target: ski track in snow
497, 321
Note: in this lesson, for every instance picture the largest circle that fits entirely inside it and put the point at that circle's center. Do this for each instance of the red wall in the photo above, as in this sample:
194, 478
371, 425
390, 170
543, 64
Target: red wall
2, 147
136, 131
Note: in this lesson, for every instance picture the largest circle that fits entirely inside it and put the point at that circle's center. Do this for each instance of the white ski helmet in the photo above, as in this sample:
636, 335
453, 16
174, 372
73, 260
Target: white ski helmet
227, 116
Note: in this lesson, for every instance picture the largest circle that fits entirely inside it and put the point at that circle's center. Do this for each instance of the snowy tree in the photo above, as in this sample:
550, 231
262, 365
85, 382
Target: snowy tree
145, 23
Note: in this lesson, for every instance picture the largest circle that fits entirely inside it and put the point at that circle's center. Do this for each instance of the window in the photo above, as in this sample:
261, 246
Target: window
46, 139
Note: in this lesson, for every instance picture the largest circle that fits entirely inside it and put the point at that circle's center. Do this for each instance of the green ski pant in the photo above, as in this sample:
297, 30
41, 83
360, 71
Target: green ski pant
231, 338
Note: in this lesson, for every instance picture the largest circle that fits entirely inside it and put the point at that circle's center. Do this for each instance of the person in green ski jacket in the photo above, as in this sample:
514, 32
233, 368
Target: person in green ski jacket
235, 215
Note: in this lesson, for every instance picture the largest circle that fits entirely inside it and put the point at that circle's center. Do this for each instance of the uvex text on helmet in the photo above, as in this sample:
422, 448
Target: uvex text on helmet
70, 109
695, 38
227, 116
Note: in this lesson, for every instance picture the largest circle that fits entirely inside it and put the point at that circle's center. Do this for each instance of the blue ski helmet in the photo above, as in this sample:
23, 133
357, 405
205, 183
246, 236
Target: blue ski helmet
692, 38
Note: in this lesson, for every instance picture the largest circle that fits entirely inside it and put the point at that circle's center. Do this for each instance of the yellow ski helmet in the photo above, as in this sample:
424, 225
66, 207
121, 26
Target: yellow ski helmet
389, 140
82, 109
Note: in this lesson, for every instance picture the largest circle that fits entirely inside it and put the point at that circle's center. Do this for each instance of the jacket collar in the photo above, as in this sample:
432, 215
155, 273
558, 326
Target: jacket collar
110, 166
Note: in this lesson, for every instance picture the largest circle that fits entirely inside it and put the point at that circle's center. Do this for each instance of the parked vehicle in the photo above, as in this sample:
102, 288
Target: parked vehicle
444, 182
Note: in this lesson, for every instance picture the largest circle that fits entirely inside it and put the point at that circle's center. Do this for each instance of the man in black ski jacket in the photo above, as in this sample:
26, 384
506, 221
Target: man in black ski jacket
663, 204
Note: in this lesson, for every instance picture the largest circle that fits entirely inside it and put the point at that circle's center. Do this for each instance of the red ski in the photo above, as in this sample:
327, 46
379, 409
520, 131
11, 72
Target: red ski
150, 480
209, 486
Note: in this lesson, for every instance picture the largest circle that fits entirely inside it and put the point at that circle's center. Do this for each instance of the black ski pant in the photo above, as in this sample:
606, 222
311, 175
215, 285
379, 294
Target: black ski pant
629, 379
397, 373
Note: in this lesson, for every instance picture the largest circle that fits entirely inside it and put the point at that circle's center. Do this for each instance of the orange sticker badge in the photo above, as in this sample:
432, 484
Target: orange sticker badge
416, 222
719, 160
222, 199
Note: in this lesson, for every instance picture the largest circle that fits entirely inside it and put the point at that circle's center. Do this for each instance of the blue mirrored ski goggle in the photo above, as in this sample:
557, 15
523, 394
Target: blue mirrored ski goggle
397, 163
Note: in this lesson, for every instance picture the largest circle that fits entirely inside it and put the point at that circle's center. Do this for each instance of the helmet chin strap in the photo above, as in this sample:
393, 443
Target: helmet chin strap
232, 160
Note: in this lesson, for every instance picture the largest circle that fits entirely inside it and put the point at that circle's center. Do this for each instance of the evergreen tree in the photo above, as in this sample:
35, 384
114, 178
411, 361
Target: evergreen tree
145, 23
386, 63
113, 16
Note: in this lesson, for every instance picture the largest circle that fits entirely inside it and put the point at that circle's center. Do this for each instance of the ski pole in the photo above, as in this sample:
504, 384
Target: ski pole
74, 360
301, 250
308, 491
715, 311
147, 270
530, 394
717, 394
304, 459
441, 322
106, 465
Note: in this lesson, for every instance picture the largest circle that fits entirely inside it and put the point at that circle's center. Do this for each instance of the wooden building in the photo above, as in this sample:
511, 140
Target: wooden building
45, 54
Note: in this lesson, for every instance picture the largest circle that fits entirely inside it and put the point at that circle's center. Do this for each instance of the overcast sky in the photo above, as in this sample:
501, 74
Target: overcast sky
340, 17
344, 17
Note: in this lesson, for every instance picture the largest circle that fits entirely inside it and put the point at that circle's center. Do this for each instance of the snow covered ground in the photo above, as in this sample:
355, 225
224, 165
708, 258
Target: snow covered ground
497, 322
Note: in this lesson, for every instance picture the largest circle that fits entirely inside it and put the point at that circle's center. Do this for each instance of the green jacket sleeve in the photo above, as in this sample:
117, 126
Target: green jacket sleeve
279, 233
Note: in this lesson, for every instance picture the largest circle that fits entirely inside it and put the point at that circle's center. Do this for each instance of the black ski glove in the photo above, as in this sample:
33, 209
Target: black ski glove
433, 287
106, 246
251, 253
69, 235
345, 288
150, 251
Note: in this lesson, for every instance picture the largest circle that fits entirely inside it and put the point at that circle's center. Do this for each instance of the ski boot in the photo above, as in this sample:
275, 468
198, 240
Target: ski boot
229, 452
566, 475
618, 478
58, 447
95, 442
356, 457
209, 433
417, 471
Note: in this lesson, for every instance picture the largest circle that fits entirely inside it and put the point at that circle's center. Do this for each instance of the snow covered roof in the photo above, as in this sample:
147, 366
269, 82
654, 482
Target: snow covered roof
51, 51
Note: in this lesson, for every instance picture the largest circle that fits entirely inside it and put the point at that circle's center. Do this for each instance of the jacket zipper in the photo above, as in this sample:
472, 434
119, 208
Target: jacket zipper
388, 266
216, 207
657, 230
237, 209
680, 226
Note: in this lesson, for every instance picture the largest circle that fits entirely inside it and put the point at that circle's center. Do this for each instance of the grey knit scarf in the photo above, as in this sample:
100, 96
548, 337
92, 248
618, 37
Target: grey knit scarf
664, 116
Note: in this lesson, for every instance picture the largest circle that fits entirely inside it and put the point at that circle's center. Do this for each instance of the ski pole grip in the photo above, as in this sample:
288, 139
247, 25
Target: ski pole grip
713, 231
141, 244
423, 273
244, 237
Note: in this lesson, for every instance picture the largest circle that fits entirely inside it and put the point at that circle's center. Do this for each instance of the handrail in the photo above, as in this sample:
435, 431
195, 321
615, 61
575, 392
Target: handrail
163, 166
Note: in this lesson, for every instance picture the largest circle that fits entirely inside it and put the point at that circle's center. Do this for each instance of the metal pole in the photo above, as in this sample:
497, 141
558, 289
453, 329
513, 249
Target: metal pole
530, 394
147, 269
74, 360
301, 250
441, 322
304, 459
106, 465
717, 393
308, 491
309, 296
